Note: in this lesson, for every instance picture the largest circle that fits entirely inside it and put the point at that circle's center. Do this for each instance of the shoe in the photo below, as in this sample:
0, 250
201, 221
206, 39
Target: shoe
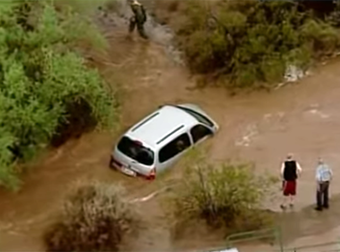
291, 205
318, 208
326, 206
283, 207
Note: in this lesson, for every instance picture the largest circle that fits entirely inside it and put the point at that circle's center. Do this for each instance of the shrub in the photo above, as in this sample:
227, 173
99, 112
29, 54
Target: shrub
225, 196
252, 42
46, 89
95, 218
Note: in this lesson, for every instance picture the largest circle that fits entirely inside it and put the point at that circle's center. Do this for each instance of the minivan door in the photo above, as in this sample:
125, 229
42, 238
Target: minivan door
169, 154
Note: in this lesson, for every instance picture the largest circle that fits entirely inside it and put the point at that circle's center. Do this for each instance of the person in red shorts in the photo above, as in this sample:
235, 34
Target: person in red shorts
290, 171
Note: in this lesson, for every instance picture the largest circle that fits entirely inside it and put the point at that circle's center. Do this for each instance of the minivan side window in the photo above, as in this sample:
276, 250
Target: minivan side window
198, 132
175, 147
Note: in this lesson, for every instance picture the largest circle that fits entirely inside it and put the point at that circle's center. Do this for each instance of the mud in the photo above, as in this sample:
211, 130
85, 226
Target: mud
262, 127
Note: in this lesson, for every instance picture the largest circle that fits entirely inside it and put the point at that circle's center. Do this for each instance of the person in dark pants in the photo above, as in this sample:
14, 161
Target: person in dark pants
138, 19
323, 176
290, 171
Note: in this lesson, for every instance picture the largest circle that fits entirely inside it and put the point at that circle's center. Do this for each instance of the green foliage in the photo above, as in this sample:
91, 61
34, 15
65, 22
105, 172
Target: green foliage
41, 80
251, 42
95, 218
225, 195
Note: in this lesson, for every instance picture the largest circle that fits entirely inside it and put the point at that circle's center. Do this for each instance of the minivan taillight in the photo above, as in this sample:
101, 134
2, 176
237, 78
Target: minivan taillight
152, 174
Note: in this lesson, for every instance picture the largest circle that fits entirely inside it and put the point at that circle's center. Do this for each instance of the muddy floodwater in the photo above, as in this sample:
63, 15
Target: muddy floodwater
302, 118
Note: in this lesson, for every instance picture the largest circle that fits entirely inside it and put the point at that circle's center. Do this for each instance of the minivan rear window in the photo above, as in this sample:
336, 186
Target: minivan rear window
136, 151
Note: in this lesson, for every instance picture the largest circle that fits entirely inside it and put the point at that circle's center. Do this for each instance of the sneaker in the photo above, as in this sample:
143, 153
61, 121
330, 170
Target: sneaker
318, 208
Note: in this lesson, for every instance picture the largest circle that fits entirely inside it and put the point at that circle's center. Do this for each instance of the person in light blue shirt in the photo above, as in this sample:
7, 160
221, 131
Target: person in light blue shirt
323, 177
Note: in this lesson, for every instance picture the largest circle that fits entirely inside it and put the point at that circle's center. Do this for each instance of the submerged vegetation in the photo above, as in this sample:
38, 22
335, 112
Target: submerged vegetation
95, 217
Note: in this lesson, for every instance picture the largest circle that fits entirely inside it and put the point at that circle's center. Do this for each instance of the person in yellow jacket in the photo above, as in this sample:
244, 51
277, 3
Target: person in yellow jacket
138, 19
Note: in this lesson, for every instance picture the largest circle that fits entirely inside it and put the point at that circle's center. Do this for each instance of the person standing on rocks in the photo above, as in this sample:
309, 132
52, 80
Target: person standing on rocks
290, 171
138, 19
323, 177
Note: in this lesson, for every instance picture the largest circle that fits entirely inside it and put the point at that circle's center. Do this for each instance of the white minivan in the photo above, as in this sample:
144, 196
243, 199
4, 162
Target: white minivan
159, 140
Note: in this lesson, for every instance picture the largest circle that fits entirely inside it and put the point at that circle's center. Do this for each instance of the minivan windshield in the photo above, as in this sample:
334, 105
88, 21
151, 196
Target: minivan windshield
199, 117
136, 151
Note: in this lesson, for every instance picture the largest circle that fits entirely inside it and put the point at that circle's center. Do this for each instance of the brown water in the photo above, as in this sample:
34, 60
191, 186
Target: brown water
260, 127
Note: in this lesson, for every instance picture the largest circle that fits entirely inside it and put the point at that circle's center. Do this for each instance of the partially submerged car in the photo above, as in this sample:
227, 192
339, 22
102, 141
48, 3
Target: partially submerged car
159, 140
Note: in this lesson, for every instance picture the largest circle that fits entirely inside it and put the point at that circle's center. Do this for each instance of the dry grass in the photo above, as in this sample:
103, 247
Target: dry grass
95, 217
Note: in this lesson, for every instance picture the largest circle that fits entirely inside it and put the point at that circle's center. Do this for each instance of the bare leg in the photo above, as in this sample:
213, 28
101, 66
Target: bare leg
291, 200
285, 197
284, 202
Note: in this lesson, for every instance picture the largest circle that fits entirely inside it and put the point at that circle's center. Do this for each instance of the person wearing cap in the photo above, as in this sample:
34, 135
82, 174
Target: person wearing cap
323, 177
290, 171
138, 19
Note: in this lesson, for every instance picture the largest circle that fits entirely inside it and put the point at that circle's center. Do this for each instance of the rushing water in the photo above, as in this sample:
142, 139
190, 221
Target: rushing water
261, 127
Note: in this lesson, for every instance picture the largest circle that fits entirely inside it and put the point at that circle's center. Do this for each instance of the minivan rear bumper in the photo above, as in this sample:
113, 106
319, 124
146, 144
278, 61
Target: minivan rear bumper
115, 165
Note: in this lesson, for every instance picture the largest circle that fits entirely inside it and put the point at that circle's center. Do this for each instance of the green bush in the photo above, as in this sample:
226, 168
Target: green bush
252, 42
95, 217
46, 88
226, 196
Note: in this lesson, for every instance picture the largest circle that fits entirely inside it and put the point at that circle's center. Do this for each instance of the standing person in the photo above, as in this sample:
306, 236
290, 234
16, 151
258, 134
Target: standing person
323, 177
290, 171
138, 19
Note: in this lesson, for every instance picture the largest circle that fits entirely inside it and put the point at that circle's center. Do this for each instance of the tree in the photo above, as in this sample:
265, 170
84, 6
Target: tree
43, 79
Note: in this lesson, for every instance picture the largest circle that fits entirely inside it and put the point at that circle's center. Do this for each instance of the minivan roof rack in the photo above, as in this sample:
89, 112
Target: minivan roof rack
171, 133
145, 121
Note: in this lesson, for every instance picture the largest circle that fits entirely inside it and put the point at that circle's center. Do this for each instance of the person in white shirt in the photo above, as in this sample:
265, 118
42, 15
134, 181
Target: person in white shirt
290, 171
323, 178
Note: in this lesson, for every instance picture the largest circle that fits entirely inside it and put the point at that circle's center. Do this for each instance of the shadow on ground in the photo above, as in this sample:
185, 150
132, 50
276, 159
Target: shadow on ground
309, 222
